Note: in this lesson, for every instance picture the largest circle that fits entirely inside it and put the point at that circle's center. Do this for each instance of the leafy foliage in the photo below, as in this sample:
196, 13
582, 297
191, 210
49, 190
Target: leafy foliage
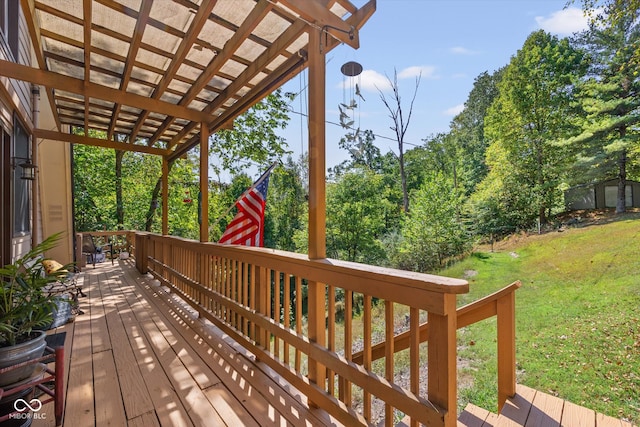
356, 213
609, 99
529, 112
432, 231
23, 304
253, 137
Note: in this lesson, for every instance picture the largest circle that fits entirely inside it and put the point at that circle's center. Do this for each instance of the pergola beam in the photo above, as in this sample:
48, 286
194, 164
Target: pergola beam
315, 11
88, 89
96, 142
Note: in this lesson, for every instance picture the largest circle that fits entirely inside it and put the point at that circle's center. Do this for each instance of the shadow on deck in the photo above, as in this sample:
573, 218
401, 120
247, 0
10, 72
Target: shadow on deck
136, 357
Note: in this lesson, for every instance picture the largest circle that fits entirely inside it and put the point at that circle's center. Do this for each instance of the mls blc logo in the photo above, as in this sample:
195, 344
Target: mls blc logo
22, 406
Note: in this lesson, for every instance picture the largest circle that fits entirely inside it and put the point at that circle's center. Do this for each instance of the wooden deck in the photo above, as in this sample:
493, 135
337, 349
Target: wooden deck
532, 408
136, 358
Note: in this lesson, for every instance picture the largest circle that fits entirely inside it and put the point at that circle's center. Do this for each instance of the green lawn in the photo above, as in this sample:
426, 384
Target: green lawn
577, 315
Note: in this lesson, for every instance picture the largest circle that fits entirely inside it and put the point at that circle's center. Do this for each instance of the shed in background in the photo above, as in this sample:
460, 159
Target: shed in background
601, 195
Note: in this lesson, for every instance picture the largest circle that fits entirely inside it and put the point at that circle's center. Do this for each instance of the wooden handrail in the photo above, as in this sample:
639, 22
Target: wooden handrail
466, 315
255, 295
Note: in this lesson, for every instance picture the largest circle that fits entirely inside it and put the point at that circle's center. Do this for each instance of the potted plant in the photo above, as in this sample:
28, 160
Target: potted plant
24, 308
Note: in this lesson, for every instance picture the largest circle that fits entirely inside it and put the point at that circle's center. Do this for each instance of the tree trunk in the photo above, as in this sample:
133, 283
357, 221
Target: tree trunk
119, 201
621, 205
154, 203
403, 179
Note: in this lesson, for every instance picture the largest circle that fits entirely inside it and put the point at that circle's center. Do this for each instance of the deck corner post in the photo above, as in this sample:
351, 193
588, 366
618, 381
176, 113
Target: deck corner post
506, 319
142, 243
442, 360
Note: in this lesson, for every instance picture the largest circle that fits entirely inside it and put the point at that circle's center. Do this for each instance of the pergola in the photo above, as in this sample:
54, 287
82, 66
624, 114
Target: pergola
160, 77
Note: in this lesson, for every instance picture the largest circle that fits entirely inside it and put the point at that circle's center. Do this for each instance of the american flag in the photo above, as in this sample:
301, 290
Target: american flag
247, 227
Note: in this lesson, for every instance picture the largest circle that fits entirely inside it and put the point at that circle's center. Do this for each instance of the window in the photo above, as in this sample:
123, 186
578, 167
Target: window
9, 17
4, 18
21, 196
611, 196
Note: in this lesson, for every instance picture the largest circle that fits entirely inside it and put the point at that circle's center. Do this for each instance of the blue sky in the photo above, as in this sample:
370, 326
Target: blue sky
449, 41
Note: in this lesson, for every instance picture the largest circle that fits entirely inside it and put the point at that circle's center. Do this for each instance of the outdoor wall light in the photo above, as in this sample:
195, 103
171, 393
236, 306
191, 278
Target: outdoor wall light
28, 168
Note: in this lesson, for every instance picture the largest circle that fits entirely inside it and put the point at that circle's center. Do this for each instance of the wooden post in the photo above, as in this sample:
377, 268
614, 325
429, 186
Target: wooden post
442, 363
506, 315
204, 182
80, 260
165, 196
317, 203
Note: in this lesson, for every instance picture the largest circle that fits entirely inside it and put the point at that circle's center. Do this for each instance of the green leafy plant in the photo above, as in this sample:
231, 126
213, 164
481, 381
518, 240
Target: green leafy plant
24, 306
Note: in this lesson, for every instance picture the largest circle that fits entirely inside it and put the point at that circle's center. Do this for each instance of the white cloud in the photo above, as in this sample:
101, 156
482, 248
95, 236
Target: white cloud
454, 111
564, 22
373, 81
426, 71
459, 50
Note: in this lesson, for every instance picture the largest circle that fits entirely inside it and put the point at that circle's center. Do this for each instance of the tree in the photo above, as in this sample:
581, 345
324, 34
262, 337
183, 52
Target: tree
285, 206
400, 126
356, 212
253, 139
432, 232
609, 99
362, 152
468, 131
530, 112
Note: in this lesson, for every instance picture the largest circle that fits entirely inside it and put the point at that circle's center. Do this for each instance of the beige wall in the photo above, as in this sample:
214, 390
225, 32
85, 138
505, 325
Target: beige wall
54, 181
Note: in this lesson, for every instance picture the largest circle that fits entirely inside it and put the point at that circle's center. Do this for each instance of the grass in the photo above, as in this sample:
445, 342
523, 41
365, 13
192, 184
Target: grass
577, 316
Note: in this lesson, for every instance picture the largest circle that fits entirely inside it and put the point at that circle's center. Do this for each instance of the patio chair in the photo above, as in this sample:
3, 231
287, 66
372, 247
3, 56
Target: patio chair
90, 248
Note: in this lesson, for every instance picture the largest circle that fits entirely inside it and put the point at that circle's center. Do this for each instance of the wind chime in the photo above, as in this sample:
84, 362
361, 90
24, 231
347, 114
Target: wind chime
349, 106
350, 90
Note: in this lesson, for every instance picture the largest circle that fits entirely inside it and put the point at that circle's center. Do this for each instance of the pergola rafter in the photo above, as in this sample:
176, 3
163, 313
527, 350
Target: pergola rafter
159, 70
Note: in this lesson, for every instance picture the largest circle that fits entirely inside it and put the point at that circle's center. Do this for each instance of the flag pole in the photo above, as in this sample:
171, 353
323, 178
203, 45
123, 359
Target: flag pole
255, 184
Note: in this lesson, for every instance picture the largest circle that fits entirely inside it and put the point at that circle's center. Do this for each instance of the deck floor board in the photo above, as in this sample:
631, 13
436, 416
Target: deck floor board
532, 408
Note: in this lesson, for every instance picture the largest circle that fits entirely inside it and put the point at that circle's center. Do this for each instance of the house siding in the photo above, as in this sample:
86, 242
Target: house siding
15, 104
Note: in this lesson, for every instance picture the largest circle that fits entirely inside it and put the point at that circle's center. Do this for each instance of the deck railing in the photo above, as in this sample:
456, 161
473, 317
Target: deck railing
500, 304
311, 321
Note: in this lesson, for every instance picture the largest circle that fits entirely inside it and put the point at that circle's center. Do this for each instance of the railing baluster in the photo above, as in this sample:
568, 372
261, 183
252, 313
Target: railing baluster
269, 312
389, 324
367, 326
298, 319
414, 355
276, 310
253, 299
316, 322
286, 313
345, 386
331, 332
245, 295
